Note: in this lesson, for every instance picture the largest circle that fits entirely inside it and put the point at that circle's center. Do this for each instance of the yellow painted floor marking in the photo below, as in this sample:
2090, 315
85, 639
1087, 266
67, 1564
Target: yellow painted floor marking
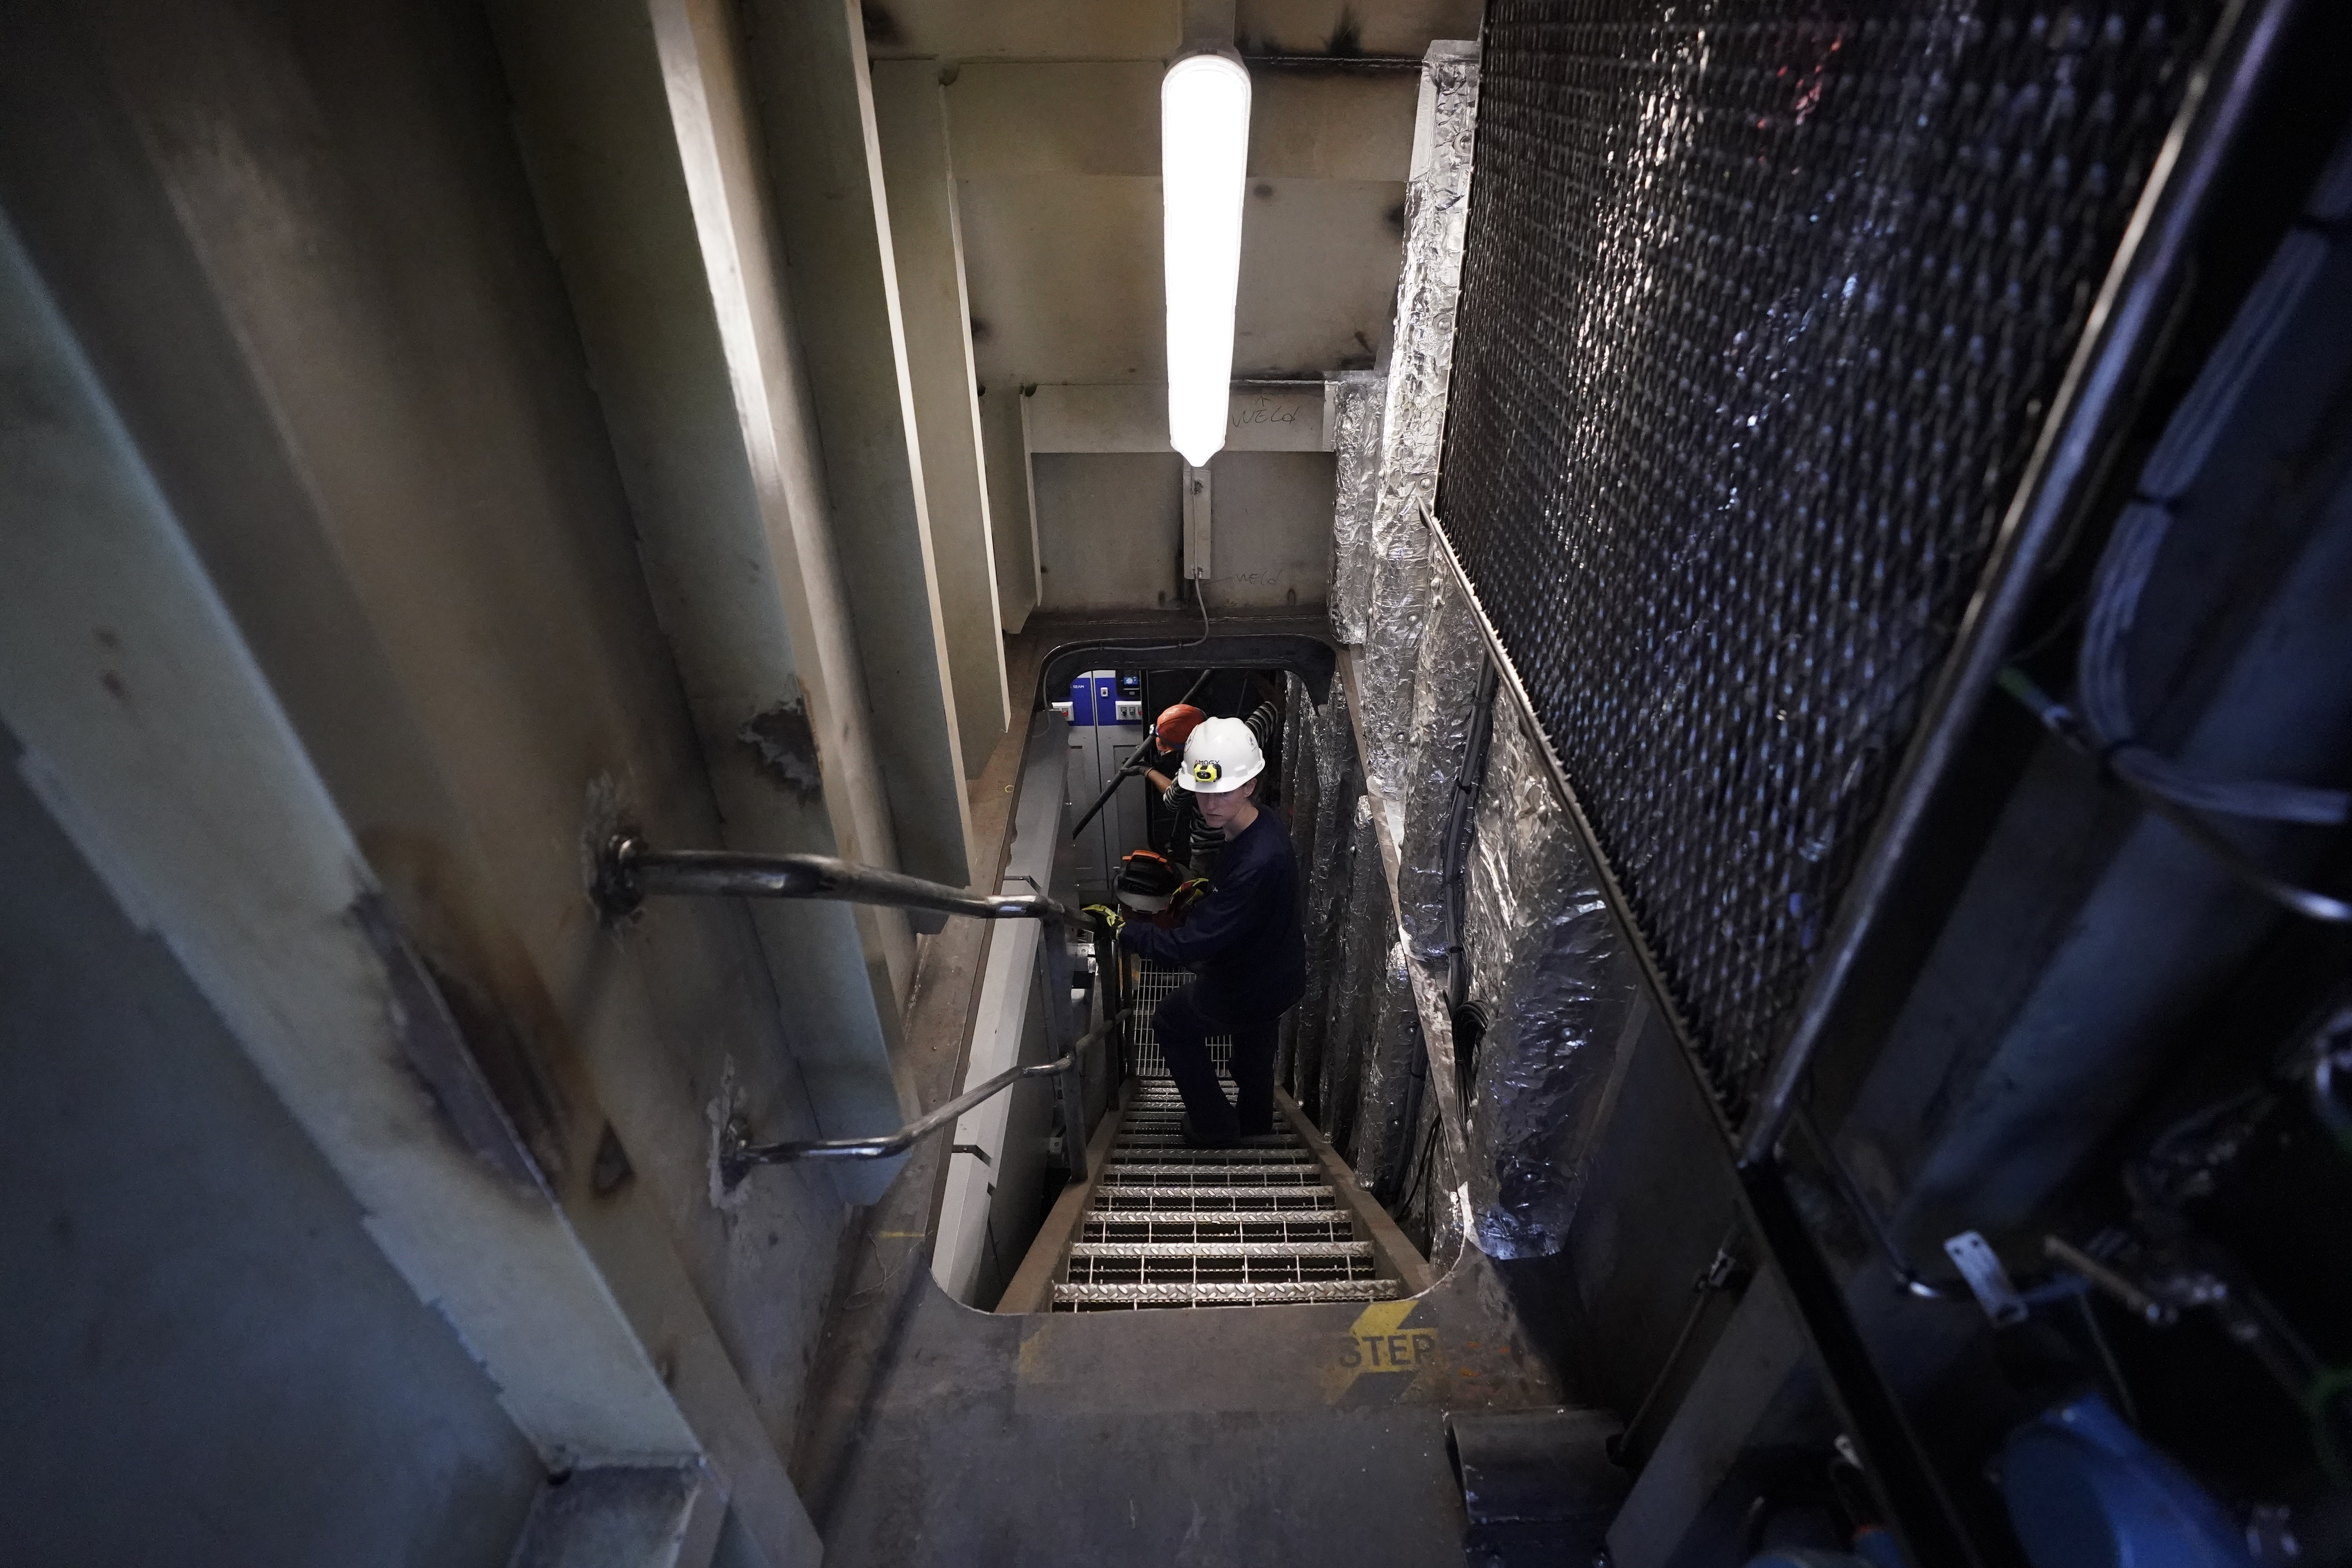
1379, 1344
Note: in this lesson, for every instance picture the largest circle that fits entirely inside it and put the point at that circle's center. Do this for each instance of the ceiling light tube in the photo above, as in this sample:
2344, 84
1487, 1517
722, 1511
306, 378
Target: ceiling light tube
1204, 111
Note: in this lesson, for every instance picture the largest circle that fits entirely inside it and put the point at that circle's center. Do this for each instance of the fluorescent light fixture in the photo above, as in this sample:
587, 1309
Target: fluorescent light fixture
1204, 111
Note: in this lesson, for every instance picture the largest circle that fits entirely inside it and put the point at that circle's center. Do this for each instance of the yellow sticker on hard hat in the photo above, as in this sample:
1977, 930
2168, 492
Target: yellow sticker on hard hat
1206, 773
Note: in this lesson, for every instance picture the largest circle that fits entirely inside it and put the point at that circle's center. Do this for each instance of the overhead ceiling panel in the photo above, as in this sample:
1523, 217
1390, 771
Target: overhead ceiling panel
1058, 166
1345, 26
1023, 29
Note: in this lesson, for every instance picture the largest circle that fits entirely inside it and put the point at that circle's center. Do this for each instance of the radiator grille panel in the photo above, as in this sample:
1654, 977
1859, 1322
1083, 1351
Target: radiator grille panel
1761, 311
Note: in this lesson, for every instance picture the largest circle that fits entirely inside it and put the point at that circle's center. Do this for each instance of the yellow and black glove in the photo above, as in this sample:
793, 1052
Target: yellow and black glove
1109, 917
1188, 893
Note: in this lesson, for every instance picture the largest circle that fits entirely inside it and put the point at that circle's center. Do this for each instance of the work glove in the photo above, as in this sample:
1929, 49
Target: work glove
1188, 893
1109, 917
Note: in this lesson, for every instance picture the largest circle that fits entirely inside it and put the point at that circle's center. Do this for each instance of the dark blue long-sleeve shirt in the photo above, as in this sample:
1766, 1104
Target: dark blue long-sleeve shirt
1244, 939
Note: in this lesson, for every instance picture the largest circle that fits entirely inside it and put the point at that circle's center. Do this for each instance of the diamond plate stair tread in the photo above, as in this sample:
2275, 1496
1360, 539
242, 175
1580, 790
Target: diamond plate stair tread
1274, 1141
1219, 1220
1221, 1294
1324, 1199
1226, 1175
1232, 1155
1221, 1250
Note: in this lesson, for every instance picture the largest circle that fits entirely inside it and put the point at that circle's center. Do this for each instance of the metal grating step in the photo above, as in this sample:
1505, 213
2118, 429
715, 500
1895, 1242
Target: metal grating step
1204, 1251
1143, 1195
1159, 1175
1204, 1293
1296, 1224
1298, 1153
1169, 1224
1187, 1270
1281, 1140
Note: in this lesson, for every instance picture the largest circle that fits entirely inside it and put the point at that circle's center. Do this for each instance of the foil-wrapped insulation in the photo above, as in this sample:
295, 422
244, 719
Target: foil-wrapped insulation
1298, 756
1436, 204
1392, 1054
1452, 651
1545, 965
1301, 794
1429, 980
1367, 930
1400, 585
1325, 846
1368, 941
1356, 397
1447, 1212
1336, 771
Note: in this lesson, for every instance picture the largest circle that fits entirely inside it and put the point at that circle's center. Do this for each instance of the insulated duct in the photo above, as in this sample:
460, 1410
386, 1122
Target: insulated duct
1323, 841
1366, 929
1302, 795
1444, 711
1392, 1054
1355, 399
1413, 421
1545, 961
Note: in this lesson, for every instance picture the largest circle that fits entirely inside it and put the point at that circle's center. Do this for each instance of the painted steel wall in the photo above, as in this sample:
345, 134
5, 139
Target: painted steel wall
204, 1355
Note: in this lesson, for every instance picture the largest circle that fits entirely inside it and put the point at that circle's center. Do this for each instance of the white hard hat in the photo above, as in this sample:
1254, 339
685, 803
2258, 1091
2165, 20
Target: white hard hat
1219, 756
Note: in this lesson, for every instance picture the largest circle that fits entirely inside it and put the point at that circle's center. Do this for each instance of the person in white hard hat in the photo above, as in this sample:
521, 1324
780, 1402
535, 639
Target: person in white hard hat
1242, 941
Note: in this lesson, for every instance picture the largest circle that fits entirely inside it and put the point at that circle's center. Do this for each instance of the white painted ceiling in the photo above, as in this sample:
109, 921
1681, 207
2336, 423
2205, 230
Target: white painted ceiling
1053, 111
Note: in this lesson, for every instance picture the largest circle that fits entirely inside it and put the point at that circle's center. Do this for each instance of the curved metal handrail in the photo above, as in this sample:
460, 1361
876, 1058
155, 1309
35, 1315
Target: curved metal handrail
737, 1156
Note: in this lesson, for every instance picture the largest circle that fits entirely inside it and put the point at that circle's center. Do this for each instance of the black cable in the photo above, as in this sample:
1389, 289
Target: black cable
1200, 597
1423, 1162
1134, 763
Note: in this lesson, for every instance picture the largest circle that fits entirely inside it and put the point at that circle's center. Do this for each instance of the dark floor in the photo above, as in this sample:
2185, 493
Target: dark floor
1304, 1434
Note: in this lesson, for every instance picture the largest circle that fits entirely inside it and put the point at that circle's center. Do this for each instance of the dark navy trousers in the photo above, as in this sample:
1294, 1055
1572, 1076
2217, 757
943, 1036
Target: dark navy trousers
1184, 1023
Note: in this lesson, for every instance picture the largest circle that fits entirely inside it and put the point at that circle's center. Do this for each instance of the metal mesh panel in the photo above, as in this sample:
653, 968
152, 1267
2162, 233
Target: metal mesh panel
1762, 306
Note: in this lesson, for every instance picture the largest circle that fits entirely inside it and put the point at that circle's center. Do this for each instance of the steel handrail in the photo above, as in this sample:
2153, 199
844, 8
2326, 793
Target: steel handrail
631, 872
736, 1157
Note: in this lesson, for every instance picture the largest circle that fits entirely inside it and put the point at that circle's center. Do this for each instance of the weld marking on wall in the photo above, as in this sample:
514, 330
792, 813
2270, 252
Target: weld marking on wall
784, 743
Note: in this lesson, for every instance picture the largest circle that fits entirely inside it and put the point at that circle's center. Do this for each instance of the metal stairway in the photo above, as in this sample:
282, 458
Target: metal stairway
1171, 1226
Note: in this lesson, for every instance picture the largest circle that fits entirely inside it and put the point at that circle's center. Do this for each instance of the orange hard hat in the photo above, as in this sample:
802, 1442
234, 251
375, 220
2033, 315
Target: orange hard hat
1174, 725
